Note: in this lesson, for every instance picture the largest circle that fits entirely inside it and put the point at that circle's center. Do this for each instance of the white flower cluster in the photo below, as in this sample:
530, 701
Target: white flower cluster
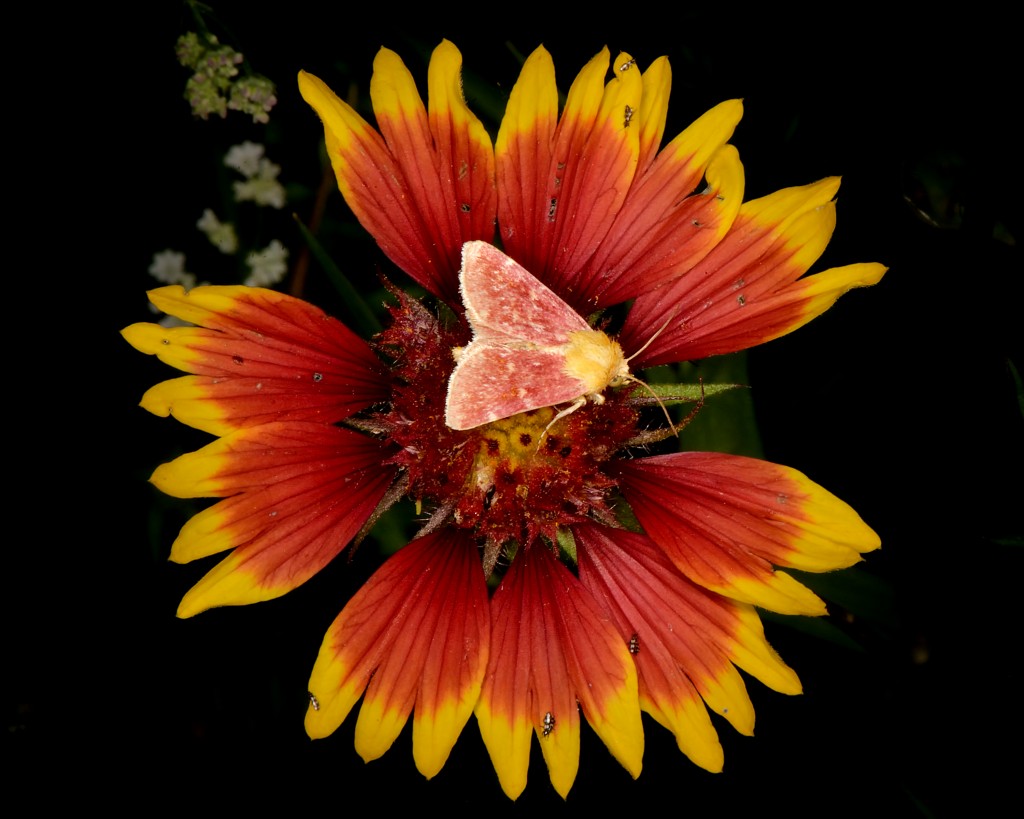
221, 234
260, 185
268, 266
169, 267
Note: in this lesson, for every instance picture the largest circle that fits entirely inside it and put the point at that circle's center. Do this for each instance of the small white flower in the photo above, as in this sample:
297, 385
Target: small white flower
268, 266
245, 158
260, 185
221, 234
169, 267
263, 187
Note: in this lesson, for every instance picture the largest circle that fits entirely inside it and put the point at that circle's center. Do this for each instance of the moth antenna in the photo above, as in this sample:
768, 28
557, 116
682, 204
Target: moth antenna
647, 387
649, 341
664, 409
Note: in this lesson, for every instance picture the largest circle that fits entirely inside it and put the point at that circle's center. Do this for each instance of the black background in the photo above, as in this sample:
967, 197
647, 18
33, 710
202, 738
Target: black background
899, 400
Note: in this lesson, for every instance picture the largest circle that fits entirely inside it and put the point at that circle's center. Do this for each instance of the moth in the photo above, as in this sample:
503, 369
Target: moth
529, 348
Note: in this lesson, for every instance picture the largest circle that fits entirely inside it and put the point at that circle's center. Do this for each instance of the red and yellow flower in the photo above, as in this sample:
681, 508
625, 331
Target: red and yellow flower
596, 611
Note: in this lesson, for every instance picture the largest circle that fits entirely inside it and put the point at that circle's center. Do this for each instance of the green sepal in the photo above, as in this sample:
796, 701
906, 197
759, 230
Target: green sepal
566, 543
626, 517
669, 394
732, 427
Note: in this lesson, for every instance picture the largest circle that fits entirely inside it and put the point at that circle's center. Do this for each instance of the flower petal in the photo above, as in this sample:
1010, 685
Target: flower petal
523, 155
415, 637
583, 152
552, 648
724, 521
573, 209
596, 155
535, 241
684, 639
259, 356
663, 230
653, 113
748, 289
465, 156
295, 494
428, 185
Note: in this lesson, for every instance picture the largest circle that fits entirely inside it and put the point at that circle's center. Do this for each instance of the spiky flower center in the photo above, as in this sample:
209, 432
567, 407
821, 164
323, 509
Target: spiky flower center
510, 482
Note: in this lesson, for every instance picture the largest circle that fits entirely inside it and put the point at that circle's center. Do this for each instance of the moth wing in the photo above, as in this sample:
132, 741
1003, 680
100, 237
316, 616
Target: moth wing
491, 382
506, 303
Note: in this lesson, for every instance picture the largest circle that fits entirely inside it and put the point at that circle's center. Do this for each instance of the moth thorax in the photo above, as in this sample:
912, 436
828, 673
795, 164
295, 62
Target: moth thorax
595, 359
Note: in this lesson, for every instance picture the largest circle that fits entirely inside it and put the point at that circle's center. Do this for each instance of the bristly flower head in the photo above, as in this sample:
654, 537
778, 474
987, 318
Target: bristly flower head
213, 89
625, 581
253, 96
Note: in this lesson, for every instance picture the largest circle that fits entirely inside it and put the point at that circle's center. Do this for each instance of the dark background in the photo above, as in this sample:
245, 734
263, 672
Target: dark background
900, 400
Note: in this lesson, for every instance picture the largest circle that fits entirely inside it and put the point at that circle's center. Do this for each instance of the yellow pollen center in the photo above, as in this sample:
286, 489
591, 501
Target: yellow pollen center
513, 440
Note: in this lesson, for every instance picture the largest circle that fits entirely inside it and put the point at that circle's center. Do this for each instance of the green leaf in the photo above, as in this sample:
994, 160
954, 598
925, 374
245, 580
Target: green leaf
862, 594
391, 531
729, 425
1018, 383
818, 627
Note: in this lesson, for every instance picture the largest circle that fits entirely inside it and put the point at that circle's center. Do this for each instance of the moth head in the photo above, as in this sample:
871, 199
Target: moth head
596, 360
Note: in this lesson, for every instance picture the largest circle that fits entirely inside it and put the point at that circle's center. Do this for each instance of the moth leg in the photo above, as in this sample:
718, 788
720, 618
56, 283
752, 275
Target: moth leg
569, 410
